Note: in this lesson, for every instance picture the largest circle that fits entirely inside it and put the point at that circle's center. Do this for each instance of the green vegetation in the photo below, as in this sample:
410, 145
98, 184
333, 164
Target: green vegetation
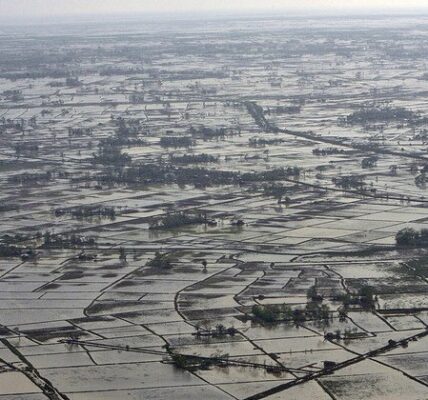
369, 162
419, 266
328, 151
177, 219
197, 176
261, 142
409, 237
313, 295
22, 245
278, 191
26, 149
87, 212
193, 159
110, 155
191, 363
220, 331
176, 141
35, 178
292, 109
66, 241
118, 141
18, 237
7, 250
181, 361
80, 132
258, 114
204, 133
160, 261
366, 297
372, 114
349, 182
275, 313
421, 180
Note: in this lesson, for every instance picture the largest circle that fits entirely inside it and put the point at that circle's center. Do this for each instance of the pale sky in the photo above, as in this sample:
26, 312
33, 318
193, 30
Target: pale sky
45, 8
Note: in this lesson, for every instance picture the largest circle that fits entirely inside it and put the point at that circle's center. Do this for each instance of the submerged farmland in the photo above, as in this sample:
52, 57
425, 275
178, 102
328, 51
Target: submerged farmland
222, 210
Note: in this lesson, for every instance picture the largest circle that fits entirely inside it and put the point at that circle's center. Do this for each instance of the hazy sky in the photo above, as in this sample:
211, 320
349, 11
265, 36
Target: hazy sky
44, 8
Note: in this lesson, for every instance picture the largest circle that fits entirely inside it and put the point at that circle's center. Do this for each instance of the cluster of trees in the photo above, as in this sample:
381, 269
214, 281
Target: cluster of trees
40, 73
275, 312
294, 109
8, 250
109, 149
73, 81
192, 363
66, 241
110, 155
160, 261
258, 114
80, 132
12, 124
13, 95
193, 159
204, 133
349, 182
182, 361
421, 180
31, 178
136, 98
276, 174
87, 212
219, 331
409, 237
10, 247
26, 148
369, 162
18, 237
351, 332
365, 298
12, 250
327, 151
164, 174
177, 219
118, 141
197, 176
261, 142
380, 113
421, 135
278, 191
176, 141
127, 127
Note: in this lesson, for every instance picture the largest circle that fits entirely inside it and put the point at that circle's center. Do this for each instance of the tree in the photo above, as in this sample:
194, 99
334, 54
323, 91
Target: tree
160, 261
47, 238
366, 294
122, 254
312, 294
406, 237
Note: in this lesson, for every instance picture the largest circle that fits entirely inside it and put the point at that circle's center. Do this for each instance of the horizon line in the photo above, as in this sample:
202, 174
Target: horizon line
183, 15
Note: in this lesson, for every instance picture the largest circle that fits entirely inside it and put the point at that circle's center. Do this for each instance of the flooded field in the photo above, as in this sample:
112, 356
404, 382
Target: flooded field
214, 210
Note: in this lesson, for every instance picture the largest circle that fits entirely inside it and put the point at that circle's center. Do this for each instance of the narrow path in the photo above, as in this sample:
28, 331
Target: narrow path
31, 373
310, 377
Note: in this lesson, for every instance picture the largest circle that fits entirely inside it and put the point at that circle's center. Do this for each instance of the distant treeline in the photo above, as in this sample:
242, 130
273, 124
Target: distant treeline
199, 177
